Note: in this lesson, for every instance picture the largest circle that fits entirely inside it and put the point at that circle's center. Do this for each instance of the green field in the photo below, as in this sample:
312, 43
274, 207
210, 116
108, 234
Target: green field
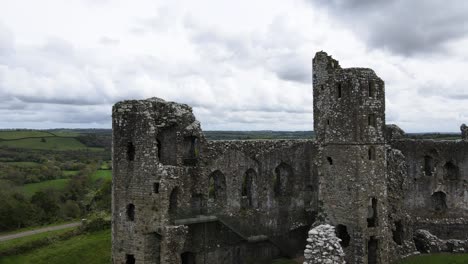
102, 174
70, 173
31, 188
437, 259
17, 134
21, 163
93, 248
51, 143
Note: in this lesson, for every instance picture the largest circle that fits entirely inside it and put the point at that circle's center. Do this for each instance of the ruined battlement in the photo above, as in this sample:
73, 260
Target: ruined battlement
178, 198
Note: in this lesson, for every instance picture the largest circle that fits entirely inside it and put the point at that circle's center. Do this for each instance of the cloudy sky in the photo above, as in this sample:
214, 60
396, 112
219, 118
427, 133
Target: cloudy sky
242, 65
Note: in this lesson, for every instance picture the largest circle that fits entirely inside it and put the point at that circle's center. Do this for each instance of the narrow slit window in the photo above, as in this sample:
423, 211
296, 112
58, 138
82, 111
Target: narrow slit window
338, 90
371, 88
156, 187
371, 153
130, 151
330, 160
131, 212
371, 120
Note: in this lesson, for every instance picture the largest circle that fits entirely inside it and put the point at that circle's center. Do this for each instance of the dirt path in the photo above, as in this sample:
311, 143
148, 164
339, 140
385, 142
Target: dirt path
38, 231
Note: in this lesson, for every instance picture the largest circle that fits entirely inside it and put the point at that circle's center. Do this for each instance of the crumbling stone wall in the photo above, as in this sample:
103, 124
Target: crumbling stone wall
178, 198
323, 246
464, 131
257, 198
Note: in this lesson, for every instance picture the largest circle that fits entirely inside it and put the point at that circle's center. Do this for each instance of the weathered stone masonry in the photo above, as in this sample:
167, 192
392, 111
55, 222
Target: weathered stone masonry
178, 198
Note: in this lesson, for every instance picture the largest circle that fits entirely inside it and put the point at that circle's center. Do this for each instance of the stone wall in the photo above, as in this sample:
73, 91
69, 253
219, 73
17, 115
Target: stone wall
178, 198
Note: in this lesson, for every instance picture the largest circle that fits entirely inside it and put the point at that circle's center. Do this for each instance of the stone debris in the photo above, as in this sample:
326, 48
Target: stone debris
323, 246
429, 243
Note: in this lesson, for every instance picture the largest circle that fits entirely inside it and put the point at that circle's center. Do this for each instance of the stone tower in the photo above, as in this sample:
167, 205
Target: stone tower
155, 147
349, 122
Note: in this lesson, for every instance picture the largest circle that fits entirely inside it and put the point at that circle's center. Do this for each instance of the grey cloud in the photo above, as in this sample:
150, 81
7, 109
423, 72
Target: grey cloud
403, 27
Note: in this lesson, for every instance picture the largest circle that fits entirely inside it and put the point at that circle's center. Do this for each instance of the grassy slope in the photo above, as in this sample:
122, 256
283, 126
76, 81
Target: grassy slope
31, 188
437, 259
51, 143
24, 240
16, 134
102, 174
91, 249
21, 163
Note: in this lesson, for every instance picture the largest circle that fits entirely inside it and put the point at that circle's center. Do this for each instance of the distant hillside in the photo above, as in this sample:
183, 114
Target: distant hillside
264, 134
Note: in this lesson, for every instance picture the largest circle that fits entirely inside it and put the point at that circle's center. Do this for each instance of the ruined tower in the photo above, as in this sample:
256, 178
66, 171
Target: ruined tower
155, 145
349, 122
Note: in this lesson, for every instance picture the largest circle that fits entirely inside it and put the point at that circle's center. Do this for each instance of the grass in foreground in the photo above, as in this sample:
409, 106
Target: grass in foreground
443, 258
94, 248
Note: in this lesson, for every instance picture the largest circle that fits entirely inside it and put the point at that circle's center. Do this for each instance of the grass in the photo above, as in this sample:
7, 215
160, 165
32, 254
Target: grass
18, 134
51, 143
284, 261
102, 174
64, 133
35, 227
31, 188
94, 248
70, 173
442, 258
25, 240
22, 163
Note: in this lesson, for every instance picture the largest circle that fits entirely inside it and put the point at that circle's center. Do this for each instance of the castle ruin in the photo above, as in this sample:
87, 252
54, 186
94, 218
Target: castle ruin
180, 199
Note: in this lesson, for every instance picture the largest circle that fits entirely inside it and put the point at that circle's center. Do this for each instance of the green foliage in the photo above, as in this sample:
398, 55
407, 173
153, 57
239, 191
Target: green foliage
443, 258
94, 248
96, 224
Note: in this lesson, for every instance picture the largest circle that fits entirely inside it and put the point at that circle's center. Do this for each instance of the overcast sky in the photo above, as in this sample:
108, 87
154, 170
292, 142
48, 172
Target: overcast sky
242, 65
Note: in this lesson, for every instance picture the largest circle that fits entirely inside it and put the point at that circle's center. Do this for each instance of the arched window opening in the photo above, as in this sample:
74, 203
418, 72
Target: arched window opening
217, 187
131, 212
130, 151
283, 179
451, 171
341, 232
330, 160
247, 188
372, 213
371, 120
372, 250
398, 233
173, 200
188, 258
371, 153
129, 259
428, 165
191, 150
439, 201
371, 88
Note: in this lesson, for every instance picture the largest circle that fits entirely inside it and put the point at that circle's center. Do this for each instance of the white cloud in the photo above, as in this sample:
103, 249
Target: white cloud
241, 65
